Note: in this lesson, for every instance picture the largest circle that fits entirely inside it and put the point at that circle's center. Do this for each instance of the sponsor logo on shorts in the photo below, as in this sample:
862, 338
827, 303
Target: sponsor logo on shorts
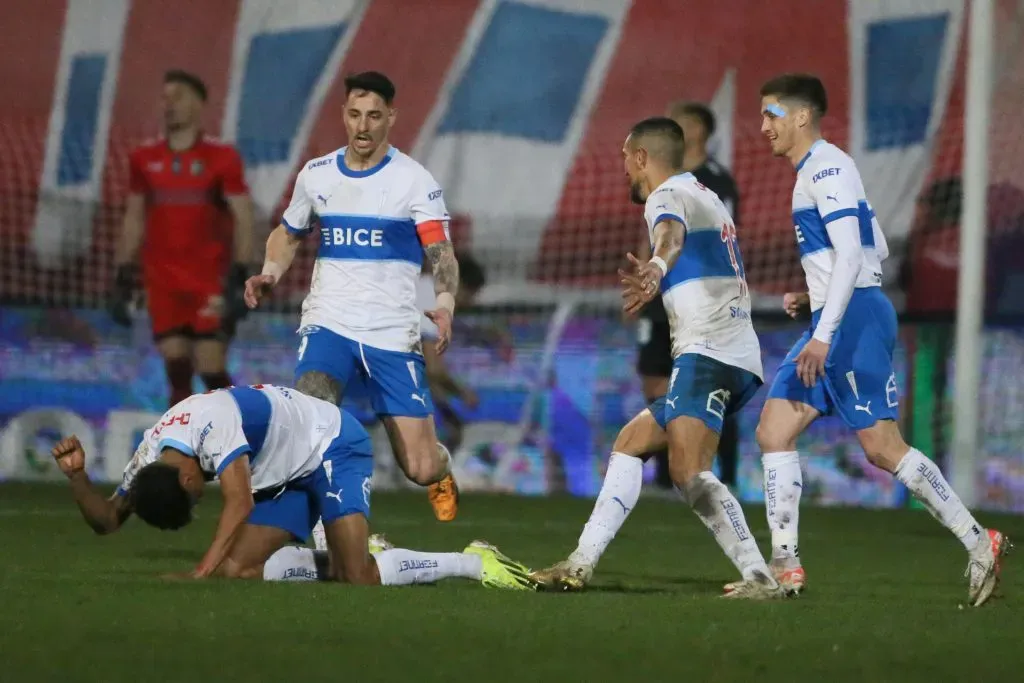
892, 392
718, 402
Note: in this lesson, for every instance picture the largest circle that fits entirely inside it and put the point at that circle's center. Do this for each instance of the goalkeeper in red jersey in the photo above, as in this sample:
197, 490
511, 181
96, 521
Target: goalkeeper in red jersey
182, 188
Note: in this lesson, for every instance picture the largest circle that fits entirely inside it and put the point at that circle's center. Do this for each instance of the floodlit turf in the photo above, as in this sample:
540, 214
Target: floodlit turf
882, 606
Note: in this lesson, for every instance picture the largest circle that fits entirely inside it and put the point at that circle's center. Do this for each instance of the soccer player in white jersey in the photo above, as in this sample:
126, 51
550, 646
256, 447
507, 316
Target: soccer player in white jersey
284, 460
378, 212
842, 365
697, 269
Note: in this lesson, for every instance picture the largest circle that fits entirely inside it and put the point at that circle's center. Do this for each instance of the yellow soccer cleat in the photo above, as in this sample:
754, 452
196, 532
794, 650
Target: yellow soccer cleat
498, 570
379, 544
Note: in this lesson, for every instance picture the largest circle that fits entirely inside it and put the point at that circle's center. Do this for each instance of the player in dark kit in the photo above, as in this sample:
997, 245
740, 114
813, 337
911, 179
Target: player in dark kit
182, 187
654, 357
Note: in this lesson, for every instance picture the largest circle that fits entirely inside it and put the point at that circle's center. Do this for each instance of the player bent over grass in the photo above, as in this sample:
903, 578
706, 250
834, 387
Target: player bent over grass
697, 268
284, 460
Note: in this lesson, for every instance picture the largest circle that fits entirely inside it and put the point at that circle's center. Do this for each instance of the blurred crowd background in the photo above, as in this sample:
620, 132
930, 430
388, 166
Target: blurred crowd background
519, 109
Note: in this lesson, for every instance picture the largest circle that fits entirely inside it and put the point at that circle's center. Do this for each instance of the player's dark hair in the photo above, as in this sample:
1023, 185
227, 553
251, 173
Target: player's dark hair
804, 88
668, 134
371, 81
190, 80
699, 111
471, 273
158, 498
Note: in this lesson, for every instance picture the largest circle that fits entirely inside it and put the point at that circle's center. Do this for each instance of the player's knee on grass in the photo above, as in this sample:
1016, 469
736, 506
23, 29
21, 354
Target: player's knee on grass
641, 437
231, 569
781, 423
319, 385
350, 560
883, 444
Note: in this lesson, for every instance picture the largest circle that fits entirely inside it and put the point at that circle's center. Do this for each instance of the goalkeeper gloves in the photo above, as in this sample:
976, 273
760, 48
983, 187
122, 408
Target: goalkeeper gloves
121, 295
234, 293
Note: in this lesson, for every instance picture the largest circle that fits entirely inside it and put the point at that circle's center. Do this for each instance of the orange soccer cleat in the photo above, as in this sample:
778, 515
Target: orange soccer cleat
444, 498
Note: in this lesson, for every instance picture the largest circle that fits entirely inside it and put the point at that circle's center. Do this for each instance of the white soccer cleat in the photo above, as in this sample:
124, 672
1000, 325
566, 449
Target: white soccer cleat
565, 575
984, 567
760, 587
792, 579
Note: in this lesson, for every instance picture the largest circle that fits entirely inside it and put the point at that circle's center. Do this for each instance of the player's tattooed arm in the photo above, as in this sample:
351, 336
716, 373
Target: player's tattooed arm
281, 248
446, 285
668, 241
445, 267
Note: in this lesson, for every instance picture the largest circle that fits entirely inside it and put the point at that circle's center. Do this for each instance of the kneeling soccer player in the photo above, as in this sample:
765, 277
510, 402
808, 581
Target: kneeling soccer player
697, 268
284, 460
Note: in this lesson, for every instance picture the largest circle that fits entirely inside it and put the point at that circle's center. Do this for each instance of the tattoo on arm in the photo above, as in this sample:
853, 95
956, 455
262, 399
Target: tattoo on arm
668, 241
445, 267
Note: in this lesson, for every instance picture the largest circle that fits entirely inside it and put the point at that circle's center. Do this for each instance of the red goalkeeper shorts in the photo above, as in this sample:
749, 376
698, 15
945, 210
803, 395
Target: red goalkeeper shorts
188, 313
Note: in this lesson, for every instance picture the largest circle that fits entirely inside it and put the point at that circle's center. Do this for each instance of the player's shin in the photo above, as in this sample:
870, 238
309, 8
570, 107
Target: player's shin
712, 501
783, 484
400, 567
619, 494
925, 481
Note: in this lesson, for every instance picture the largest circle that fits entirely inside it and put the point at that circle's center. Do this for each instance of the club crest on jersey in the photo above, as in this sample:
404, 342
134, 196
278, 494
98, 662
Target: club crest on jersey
196, 167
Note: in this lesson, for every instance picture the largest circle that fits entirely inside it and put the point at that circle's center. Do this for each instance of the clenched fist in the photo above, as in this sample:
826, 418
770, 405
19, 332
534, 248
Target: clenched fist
70, 456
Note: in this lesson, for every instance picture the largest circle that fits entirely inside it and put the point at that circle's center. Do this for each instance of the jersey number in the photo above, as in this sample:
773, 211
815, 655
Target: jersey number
180, 418
732, 244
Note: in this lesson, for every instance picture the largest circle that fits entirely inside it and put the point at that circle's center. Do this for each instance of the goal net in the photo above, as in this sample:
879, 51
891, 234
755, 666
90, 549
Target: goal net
524, 131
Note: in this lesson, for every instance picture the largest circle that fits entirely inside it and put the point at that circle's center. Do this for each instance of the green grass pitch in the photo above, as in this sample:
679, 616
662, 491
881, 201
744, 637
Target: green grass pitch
882, 604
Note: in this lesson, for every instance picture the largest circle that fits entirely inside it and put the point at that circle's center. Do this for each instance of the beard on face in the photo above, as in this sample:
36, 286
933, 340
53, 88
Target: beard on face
635, 193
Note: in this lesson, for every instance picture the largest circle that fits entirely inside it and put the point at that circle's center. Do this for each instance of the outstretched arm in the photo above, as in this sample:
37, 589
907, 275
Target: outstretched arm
236, 488
104, 515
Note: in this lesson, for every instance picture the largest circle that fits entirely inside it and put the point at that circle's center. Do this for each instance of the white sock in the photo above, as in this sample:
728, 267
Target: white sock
619, 494
722, 515
319, 535
292, 563
400, 567
783, 484
924, 479
446, 457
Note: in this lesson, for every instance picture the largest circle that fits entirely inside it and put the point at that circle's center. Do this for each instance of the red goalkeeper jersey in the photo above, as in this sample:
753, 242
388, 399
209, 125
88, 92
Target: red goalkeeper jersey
187, 243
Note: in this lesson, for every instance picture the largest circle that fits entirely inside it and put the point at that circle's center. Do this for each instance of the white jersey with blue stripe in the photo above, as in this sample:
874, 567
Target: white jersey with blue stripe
369, 259
828, 187
705, 292
283, 432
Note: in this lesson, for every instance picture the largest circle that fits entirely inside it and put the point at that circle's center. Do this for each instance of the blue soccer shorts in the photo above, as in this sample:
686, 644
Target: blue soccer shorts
706, 389
338, 488
395, 382
859, 383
